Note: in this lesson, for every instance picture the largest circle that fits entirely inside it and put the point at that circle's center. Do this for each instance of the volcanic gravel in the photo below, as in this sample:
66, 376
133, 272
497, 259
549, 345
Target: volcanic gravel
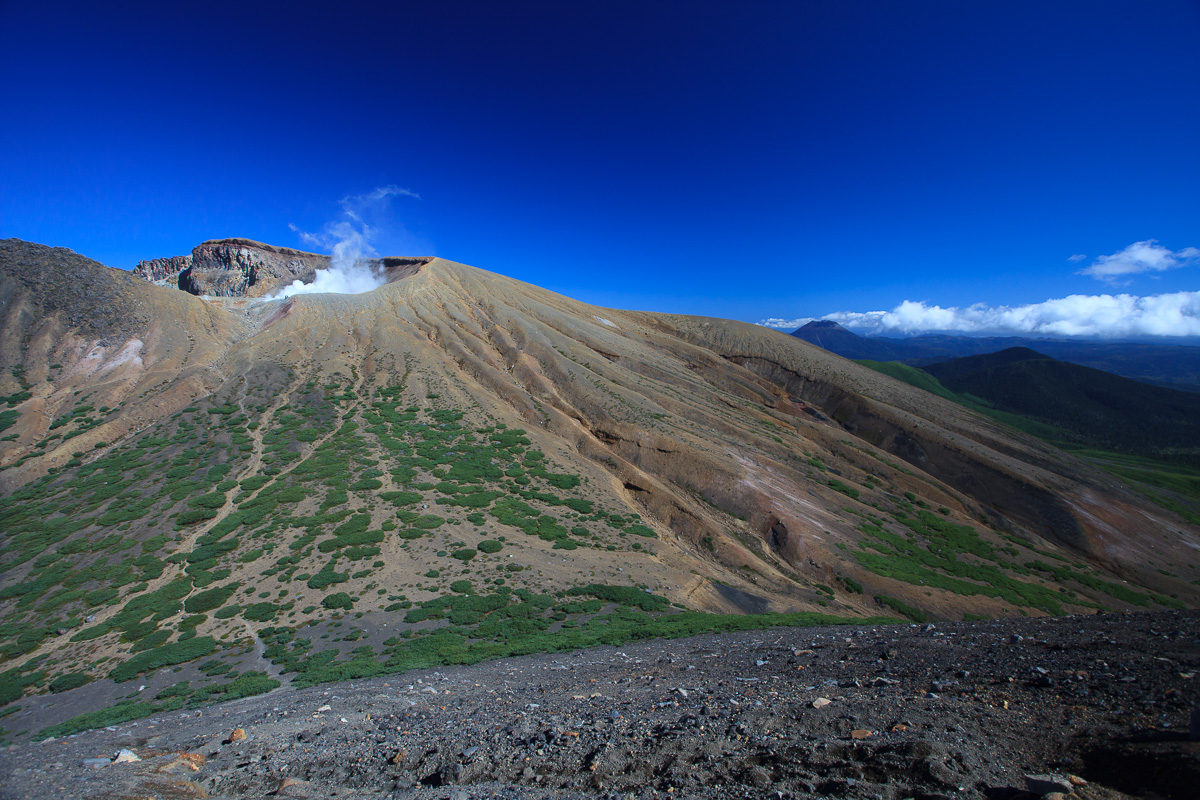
952, 710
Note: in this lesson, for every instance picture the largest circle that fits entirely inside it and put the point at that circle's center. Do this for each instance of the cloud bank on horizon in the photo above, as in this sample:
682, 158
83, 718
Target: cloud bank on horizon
353, 265
1104, 315
1107, 316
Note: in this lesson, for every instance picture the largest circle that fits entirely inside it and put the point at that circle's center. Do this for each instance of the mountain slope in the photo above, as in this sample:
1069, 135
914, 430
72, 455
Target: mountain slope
1097, 408
458, 466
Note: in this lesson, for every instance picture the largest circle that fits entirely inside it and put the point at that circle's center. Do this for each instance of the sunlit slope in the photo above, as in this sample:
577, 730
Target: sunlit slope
69, 326
458, 465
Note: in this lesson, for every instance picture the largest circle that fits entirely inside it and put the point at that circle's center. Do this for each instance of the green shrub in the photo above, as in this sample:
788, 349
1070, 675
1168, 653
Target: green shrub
194, 621
255, 483
915, 614
622, 595
247, 684
338, 600
327, 577
260, 612
165, 656
71, 680
465, 554
100, 596
490, 546
181, 689
209, 599
122, 712
191, 516
213, 500
335, 497
851, 585
250, 556
155, 639
838, 486
11, 688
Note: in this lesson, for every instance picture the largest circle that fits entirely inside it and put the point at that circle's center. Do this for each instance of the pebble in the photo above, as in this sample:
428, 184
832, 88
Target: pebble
238, 735
125, 756
1047, 783
294, 787
821, 702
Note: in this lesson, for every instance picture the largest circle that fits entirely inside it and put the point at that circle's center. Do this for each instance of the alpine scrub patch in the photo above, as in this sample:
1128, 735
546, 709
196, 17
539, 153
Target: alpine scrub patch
67, 537
125, 711
508, 623
936, 553
165, 656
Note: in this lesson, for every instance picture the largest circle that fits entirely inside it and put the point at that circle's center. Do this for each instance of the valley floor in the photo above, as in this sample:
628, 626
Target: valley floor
962, 710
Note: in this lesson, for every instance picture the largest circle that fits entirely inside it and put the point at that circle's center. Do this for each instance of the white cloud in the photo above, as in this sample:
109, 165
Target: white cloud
785, 324
380, 193
353, 264
1140, 257
1104, 315
1077, 257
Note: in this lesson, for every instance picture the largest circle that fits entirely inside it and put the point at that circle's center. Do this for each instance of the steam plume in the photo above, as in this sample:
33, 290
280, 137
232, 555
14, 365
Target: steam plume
353, 264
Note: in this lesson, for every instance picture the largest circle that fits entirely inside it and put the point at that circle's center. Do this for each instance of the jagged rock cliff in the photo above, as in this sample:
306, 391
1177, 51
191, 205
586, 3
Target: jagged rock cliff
233, 268
163, 271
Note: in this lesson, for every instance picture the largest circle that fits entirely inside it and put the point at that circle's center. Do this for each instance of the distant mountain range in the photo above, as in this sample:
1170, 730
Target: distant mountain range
1174, 366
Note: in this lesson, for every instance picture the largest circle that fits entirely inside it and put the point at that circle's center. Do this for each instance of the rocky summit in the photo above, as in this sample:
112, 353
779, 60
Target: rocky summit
210, 496
233, 268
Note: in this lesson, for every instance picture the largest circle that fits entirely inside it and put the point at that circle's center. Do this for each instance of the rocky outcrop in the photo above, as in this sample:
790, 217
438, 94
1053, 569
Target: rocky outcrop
233, 268
163, 271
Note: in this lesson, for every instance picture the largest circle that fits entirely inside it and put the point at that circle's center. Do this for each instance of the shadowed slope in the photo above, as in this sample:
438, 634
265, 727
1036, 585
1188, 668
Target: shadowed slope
1096, 408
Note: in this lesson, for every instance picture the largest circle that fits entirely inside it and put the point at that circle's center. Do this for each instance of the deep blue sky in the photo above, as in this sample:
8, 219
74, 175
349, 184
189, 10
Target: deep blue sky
737, 159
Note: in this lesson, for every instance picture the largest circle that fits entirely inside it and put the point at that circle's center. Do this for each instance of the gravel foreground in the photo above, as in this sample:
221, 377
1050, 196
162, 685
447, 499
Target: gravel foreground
952, 710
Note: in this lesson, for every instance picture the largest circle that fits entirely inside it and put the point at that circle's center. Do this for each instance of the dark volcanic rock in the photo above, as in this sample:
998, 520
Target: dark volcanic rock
716, 716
